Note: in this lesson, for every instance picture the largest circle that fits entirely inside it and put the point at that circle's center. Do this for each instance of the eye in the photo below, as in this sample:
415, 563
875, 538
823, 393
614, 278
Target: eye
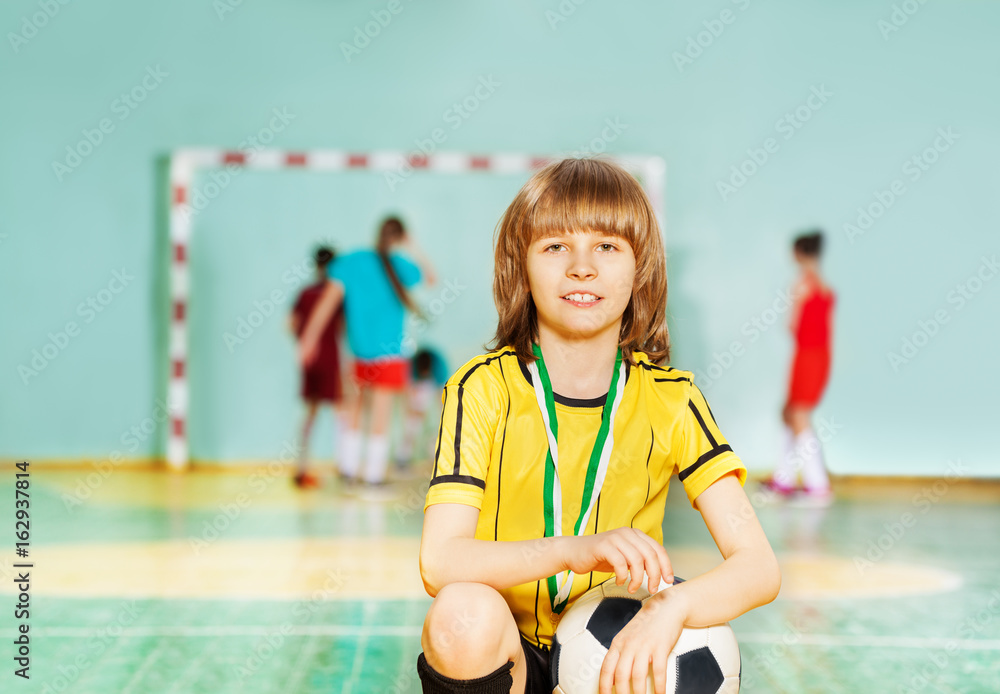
555, 246
608, 247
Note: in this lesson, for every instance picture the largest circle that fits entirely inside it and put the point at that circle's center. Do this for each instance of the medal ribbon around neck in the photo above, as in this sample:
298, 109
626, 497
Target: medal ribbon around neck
597, 468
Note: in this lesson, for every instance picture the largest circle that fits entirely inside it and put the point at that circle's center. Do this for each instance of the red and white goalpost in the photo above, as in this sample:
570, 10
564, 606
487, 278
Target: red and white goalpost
186, 163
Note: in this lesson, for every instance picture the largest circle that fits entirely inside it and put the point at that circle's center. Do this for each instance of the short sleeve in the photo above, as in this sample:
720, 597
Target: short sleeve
299, 301
702, 454
408, 271
339, 269
464, 447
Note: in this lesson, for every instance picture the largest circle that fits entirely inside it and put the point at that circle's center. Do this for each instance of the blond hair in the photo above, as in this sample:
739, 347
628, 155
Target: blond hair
581, 195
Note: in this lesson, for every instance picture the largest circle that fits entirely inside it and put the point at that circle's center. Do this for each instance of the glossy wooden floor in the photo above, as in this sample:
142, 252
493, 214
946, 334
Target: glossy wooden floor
205, 582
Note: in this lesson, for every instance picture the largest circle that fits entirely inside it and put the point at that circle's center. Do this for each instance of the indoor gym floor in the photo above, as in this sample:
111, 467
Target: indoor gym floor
133, 591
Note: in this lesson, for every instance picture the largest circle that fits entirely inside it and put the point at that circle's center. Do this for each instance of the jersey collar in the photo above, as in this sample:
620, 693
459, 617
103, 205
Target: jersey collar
571, 402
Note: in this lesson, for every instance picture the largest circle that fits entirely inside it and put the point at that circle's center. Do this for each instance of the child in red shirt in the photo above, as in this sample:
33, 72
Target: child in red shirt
321, 380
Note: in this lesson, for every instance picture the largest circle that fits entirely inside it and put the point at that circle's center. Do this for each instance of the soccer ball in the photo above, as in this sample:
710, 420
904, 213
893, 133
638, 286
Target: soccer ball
704, 660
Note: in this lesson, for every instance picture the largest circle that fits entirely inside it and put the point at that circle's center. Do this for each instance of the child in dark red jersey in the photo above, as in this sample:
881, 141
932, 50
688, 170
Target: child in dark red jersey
321, 381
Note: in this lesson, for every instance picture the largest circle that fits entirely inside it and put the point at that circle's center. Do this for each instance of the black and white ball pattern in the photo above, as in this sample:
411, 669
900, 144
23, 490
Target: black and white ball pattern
704, 660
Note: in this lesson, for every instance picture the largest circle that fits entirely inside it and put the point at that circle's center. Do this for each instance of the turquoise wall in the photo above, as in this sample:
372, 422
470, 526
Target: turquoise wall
871, 92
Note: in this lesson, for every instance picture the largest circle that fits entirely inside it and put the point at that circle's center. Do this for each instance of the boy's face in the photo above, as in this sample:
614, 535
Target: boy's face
581, 282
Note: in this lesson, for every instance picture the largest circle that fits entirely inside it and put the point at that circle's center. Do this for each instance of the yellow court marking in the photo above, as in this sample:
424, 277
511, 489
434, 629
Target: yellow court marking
382, 568
815, 576
261, 487
292, 569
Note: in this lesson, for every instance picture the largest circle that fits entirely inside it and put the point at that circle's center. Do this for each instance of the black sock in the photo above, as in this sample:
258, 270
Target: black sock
499, 681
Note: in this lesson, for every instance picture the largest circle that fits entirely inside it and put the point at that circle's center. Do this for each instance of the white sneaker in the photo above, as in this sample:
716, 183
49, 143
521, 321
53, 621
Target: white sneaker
812, 498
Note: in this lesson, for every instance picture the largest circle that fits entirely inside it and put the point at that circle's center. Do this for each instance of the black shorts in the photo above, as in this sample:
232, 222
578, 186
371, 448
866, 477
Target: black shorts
537, 659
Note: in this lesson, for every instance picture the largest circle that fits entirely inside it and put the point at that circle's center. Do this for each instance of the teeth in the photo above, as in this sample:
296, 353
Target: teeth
582, 298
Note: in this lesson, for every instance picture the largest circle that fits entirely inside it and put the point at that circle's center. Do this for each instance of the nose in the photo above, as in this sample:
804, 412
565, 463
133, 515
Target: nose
581, 267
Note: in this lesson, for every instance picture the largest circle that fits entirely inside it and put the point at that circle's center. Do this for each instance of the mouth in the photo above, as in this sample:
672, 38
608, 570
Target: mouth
582, 299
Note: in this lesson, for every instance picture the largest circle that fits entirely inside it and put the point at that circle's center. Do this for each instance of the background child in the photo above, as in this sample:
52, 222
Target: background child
374, 284
812, 327
321, 380
429, 374
556, 449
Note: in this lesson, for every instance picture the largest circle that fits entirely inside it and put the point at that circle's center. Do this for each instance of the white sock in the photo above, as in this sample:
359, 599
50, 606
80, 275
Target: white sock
785, 472
411, 430
376, 458
350, 452
303, 462
814, 476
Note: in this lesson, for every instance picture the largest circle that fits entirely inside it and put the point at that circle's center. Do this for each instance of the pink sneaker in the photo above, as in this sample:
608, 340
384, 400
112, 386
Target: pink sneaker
774, 487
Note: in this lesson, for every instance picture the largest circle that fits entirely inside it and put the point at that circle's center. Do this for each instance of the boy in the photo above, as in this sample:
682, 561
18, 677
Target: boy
556, 448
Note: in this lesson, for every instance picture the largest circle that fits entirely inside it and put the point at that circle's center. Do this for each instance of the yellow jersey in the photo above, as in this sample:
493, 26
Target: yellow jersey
491, 453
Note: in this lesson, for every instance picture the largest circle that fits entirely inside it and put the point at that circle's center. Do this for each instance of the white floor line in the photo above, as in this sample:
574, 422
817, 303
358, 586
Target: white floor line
143, 669
299, 669
871, 640
194, 668
359, 655
414, 632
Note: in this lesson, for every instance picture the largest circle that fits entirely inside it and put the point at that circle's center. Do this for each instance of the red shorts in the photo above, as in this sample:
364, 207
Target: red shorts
810, 371
388, 372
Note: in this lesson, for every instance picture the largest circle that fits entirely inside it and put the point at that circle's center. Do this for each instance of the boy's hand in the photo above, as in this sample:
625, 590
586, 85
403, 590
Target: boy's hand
644, 644
625, 551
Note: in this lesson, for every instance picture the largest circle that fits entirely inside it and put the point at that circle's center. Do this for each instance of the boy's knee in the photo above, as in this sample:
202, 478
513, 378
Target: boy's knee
466, 622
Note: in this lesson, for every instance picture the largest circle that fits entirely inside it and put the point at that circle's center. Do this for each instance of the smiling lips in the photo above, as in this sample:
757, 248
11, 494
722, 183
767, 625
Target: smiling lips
581, 299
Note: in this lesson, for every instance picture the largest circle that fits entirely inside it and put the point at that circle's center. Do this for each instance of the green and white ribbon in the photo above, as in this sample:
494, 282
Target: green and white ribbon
597, 468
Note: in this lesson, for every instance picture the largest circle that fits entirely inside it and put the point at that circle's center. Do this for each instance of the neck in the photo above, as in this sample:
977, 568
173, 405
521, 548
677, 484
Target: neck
580, 367
810, 268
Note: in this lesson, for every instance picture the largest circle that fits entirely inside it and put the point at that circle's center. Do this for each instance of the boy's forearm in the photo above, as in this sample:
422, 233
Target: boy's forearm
499, 565
747, 579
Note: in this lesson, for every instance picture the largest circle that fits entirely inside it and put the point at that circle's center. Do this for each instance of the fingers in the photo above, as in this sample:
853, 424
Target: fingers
631, 554
636, 563
659, 670
621, 565
608, 670
663, 562
625, 673
654, 560
640, 668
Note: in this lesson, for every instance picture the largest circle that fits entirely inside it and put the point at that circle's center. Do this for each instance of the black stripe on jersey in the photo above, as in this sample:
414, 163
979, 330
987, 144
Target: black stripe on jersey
458, 432
653, 367
496, 522
461, 479
538, 585
652, 438
437, 453
704, 427
597, 519
710, 413
485, 362
718, 450
458, 409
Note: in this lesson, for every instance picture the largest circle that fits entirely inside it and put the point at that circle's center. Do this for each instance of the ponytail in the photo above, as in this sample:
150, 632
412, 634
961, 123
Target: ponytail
392, 230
